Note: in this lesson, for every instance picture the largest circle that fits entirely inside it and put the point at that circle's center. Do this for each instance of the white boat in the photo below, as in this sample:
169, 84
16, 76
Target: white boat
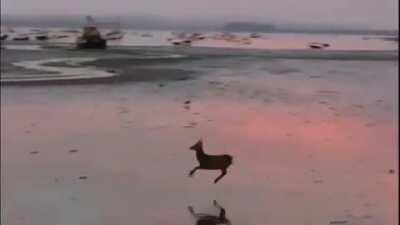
181, 42
114, 35
21, 37
196, 37
317, 45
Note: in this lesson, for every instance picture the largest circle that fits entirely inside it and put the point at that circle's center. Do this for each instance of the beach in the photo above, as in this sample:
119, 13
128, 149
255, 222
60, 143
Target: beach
103, 137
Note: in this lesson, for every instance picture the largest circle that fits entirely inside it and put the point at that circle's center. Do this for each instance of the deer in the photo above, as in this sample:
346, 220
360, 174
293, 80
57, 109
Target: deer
207, 219
210, 162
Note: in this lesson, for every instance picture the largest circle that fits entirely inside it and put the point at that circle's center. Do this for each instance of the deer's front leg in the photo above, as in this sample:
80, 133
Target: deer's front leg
193, 170
191, 210
220, 176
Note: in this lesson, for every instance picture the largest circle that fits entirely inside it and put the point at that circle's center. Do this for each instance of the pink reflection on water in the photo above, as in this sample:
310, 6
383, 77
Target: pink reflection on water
286, 154
272, 129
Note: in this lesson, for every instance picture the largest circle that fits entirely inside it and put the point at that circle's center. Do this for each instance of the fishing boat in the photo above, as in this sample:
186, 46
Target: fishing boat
91, 37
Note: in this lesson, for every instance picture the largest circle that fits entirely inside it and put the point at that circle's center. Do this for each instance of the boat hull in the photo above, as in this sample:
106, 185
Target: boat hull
92, 44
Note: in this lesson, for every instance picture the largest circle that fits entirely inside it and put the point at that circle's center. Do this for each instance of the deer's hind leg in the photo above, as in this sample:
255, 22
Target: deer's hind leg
220, 176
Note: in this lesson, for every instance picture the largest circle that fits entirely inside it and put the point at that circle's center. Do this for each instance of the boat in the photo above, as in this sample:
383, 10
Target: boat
181, 42
395, 39
114, 35
255, 35
42, 37
21, 38
116, 32
317, 45
59, 36
196, 37
91, 37
4, 37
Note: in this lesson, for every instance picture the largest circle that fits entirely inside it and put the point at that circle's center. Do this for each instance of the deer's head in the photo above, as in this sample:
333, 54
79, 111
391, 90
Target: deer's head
198, 146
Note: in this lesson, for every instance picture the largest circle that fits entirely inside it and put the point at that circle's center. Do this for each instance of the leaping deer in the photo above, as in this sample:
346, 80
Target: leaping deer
210, 162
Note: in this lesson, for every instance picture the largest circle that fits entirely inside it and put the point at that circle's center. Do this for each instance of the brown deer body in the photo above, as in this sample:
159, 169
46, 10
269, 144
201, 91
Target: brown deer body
210, 162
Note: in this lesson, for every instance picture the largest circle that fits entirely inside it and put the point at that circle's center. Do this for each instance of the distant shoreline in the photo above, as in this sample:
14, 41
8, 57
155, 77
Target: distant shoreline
159, 23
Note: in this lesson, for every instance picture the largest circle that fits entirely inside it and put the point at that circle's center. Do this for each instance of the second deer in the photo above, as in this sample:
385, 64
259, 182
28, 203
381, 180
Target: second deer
208, 219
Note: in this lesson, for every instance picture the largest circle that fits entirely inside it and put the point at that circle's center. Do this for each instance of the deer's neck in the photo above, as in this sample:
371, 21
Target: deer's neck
200, 154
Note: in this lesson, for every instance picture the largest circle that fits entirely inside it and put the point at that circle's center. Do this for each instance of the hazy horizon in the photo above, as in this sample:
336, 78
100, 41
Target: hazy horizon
372, 14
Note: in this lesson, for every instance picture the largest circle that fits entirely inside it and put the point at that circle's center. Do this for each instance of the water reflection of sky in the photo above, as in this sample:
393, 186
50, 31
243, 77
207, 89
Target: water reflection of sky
318, 150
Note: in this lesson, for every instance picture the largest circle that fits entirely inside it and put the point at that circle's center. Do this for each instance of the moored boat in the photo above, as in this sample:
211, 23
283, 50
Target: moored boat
317, 45
91, 37
42, 37
4, 37
114, 35
255, 35
181, 42
21, 38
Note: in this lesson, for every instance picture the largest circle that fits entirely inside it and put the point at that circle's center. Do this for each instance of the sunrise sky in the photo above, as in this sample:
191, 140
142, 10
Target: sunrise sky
370, 13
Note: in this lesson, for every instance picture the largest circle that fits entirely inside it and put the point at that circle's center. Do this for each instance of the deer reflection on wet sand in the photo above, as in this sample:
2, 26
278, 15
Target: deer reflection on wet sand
210, 162
207, 219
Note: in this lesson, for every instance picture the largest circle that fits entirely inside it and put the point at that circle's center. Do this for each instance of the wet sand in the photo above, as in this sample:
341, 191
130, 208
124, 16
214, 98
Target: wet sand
66, 67
314, 142
44, 65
